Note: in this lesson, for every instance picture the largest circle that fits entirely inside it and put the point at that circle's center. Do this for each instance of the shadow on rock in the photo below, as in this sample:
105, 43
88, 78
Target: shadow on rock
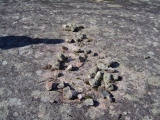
8, 42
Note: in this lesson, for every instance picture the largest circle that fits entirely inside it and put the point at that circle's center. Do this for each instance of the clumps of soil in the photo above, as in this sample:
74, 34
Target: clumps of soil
99, 81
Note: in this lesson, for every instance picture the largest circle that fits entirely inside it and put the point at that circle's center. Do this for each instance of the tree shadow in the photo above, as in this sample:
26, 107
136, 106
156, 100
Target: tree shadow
8, 42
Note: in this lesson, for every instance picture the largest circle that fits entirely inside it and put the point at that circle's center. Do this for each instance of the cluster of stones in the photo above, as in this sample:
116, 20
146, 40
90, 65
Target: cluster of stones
78, 37
68, 92
102, 76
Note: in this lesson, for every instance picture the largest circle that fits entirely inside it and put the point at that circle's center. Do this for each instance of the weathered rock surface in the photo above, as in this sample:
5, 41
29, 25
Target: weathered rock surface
127, 31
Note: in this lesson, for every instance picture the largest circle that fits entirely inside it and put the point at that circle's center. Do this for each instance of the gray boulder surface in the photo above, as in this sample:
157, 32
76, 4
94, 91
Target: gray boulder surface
31, 35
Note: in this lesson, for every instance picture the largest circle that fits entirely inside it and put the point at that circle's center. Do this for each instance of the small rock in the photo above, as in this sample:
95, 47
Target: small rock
102, 66
66, 27
51, 85
99, 75
79, 64
64, 48
108, 62
111, 70
61, 85
57, 74
94, 54
115, 77
105, 94
69, 94
81, 96
107, 78
87, 51
61, 57
79, 37
15, 114
82, 58
69, 68
93, 72
57, 65
78, 51
88, 40
4, 63
70, 40
94, 82
110, 87
89, 102
78, 28
113, 64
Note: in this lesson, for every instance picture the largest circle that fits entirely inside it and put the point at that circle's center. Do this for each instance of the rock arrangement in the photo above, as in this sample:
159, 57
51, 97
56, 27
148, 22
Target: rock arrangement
102, 77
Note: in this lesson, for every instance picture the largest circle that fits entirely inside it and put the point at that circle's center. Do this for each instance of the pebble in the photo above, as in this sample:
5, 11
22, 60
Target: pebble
82, 58
69, 68
107, 78
66, 27
111, 70
99, 75
69, 94
115, 77
4, 63
94, 82
15, 114
78, 51
110, 87
106, 94
57, 65
102, 66
93, 72
87, 51
64, 48
69, 40
49, 85
81, 96
61, 85
79, 64
61, 57
57, 74
89, 102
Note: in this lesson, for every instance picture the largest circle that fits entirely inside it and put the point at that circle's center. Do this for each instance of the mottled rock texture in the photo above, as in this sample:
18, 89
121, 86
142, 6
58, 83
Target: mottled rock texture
31, 35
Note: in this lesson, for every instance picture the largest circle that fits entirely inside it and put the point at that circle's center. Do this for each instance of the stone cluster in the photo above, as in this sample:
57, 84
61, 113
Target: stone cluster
102, 76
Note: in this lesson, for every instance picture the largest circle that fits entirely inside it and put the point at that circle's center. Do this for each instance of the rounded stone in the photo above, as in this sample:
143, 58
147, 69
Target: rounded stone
89, 102
49, 85
57, 65
115, 77
61, 57
107, 78
81, 96
15, 114
93, 72
4, 63
94, 82
61, 85
69, 68
79, 64
102, 66
110, 87
98, 76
